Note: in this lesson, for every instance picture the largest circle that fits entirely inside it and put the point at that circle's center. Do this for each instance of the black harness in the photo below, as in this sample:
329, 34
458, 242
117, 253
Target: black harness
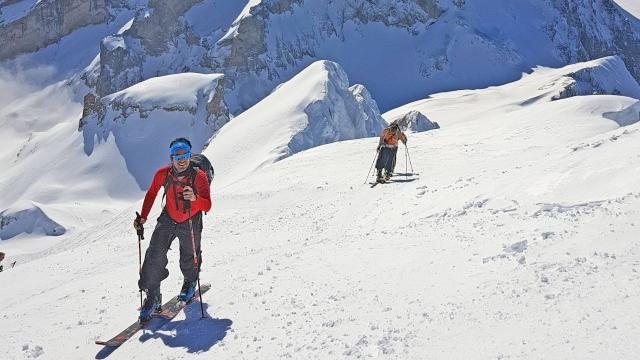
171, 178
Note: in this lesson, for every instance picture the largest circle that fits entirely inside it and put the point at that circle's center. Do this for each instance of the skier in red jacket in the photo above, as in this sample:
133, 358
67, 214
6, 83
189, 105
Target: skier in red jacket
187, 194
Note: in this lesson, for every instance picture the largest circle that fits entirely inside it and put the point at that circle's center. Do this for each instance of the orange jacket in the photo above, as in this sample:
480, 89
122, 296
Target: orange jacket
389, 138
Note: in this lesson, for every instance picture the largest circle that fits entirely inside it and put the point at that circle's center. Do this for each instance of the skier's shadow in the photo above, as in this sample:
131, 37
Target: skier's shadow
194, 333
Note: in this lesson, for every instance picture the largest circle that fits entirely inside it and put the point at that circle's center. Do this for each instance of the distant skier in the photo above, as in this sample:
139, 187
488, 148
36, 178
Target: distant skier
1, 259
387, 149
186, 189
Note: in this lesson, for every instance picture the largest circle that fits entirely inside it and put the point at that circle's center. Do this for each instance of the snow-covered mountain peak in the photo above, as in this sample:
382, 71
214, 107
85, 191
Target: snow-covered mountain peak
176, 90
144, 118
315, 107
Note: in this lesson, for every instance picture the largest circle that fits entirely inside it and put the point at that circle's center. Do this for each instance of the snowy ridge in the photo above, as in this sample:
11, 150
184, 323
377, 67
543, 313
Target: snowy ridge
316, 107
171, 91
602, 76
144, 118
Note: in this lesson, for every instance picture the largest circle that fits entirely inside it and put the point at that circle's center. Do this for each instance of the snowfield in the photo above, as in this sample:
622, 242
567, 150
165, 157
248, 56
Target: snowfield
514, 237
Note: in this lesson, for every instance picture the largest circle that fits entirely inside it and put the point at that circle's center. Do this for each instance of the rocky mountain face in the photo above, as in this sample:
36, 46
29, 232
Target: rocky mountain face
415, 121
401, 50
413, 47
592, 29
46, 23
30, 220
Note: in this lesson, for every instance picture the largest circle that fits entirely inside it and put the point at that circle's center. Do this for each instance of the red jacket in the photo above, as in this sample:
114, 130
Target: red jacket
201, 189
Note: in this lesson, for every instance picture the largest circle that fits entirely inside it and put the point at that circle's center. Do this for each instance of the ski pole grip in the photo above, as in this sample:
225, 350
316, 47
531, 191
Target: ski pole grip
139, 227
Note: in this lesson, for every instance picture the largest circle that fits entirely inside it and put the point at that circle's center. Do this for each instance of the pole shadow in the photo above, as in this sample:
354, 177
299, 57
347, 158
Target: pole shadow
402, 180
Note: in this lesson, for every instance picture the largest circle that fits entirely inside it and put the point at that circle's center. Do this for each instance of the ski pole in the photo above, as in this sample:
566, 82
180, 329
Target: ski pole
374, 161
406, 170
409, 156
140, 232
195, 256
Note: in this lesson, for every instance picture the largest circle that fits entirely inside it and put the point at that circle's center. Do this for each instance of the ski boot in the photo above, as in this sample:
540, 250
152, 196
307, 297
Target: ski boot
152, 304
188, 291
379, 178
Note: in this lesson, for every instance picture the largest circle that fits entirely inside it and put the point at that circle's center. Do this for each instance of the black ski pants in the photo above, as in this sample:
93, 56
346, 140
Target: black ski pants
385, 159
154, 268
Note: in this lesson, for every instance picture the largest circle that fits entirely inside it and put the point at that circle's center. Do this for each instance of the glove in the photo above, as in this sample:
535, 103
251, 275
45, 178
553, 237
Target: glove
137, 224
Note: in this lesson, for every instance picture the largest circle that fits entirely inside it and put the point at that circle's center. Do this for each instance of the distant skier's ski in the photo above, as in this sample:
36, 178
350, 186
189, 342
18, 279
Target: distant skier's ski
391, 181
169, 310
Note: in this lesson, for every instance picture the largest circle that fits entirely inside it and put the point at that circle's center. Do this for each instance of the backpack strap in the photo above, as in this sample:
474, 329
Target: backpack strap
170, 180
192, 177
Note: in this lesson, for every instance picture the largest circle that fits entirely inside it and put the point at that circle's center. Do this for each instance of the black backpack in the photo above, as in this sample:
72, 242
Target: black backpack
199, 161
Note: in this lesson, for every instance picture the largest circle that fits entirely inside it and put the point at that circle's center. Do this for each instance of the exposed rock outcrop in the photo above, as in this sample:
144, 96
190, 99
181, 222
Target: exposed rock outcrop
415, 121
30, 220
47, 23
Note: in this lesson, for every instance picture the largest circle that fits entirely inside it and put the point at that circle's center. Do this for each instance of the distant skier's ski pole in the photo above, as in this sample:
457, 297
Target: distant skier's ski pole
374, 161
406, 149
406, 162
195, 255
140, 232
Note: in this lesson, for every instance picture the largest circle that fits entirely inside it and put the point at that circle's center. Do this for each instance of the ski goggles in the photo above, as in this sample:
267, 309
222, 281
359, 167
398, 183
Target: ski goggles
177, 157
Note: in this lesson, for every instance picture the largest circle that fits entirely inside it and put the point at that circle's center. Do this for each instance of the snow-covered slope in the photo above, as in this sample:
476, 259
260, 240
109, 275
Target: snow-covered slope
515, 238
632, 6
316, 107
49, 182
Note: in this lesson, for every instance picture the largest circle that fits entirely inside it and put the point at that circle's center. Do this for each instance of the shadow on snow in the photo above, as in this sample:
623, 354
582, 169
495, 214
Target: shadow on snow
194, 333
